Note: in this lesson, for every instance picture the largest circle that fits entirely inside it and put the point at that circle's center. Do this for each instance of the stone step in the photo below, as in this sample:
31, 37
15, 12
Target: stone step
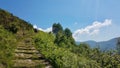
2, 66
26, 51
49, 66
46, 63
26, 63
26, 48
27, 56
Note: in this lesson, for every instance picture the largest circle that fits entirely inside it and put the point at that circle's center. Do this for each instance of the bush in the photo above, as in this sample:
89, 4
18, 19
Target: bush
7, 46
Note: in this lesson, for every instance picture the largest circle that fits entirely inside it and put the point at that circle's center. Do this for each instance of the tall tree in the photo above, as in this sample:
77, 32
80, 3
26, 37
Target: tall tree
56, 28
59, 36
67, 32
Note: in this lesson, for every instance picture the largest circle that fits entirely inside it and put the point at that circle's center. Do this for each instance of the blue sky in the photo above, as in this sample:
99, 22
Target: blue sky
81, 16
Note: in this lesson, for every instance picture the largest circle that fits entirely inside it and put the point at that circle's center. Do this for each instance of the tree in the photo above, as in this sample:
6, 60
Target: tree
56, 28
63, 37
67, 32
59, 37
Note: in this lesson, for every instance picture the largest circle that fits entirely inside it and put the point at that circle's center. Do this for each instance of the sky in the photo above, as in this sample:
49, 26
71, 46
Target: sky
96, 20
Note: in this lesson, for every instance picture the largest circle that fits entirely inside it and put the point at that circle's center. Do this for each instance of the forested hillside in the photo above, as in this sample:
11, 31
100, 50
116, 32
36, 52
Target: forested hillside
58, 47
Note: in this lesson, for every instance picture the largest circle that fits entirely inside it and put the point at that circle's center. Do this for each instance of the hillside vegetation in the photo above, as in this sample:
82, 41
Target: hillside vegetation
7, 46
58, 47
61, 50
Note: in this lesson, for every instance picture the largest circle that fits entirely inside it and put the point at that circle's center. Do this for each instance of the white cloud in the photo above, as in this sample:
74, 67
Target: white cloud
91, 30
35, 26
45, 30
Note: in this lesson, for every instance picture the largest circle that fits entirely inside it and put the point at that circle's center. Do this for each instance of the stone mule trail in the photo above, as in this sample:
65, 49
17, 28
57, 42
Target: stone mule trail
26, 56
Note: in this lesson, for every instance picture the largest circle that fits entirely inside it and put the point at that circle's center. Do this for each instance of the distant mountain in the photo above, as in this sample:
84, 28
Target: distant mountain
91, 43
104, 45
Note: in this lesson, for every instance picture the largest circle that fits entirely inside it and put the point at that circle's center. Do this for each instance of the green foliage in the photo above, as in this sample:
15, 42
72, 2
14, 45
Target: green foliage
63, 37
63, 41
68, 33
13, 23
12, 28
7, 46
60, 57
83, 49
56, 28
64, 54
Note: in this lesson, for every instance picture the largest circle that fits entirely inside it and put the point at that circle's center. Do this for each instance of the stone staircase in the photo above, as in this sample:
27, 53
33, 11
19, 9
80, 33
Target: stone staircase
26, 56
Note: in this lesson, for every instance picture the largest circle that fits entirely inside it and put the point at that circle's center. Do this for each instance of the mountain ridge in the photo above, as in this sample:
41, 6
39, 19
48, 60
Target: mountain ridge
104, 45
